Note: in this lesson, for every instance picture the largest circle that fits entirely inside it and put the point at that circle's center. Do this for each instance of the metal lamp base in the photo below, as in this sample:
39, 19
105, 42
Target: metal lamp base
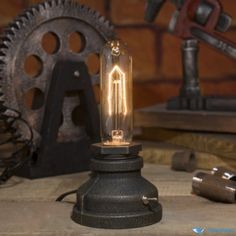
117, 196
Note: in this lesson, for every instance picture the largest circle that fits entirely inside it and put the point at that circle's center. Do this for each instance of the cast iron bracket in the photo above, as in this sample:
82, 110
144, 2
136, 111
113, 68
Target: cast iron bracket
56, 157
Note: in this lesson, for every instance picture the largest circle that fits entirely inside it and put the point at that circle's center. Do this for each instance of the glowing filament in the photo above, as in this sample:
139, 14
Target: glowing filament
117, 102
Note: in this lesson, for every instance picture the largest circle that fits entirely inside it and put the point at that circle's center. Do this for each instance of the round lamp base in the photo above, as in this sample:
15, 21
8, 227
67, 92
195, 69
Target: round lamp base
117, 196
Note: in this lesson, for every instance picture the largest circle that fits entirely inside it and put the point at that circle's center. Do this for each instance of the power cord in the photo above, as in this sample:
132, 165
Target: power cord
64, 195
20, 156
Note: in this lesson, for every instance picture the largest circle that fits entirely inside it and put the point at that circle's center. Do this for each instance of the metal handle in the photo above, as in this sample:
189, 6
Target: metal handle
219, 43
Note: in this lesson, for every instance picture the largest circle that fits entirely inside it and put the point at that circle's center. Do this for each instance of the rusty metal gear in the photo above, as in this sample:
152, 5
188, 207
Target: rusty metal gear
22, 39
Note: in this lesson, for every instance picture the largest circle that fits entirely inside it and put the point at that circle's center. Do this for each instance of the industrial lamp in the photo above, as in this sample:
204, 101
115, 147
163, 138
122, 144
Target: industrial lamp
116, 196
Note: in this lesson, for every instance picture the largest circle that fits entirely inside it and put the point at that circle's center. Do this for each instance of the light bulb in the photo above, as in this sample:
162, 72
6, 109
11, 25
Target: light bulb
116, 94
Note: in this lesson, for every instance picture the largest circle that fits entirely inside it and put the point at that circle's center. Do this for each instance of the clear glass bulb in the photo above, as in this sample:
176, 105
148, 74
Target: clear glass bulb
116, 94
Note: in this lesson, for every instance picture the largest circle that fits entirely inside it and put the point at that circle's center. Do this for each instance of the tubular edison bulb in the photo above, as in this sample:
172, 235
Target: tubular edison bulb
116, 95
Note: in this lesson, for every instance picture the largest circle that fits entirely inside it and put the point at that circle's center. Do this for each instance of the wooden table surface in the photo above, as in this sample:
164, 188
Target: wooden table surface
28, 207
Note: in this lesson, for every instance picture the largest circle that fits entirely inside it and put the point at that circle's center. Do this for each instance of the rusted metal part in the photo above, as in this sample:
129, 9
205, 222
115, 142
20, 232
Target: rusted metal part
201, 20
224, 173
214, 187
184, 161
24, 37
64, 122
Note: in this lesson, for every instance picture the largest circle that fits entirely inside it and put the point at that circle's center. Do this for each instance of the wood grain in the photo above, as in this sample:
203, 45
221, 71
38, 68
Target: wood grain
158, 116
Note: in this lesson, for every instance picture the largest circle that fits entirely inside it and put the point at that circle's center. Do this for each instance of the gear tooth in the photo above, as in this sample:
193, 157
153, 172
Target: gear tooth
11, 31
91, 11
84, 7
2, 56
3, 39
70, 3
43, 6
1, 70
28, 15
6, 43
16, 25
97, 14
20, 21
107, 24
102, 19
48, 4
2, 95
35, 9
31, 12
53, 3
60, 2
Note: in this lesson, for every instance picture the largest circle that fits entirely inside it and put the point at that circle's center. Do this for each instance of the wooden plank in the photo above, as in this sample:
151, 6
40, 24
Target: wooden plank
158, 116
29, 207
217, 144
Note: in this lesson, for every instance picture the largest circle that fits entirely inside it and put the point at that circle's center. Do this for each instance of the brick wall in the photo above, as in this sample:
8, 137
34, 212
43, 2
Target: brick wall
156, 54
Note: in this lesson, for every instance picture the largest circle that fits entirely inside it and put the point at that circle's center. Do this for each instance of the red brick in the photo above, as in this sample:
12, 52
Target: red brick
165, 14
133, 11
127, 11
142, 44
213, 64
219, 88
9, 9
31, 2
147, 94
171, 65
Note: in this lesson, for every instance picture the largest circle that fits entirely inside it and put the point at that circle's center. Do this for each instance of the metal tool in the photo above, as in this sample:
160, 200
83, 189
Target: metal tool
224, 173
214, 187
184, 161
200, 20
22, 40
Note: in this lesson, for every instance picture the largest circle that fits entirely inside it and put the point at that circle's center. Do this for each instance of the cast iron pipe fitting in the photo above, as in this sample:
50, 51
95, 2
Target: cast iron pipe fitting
214, 187
224, 173
190, 88
184, 161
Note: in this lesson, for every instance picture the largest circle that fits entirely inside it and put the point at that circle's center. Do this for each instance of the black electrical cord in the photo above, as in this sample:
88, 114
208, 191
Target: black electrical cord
64, 195
19, 157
